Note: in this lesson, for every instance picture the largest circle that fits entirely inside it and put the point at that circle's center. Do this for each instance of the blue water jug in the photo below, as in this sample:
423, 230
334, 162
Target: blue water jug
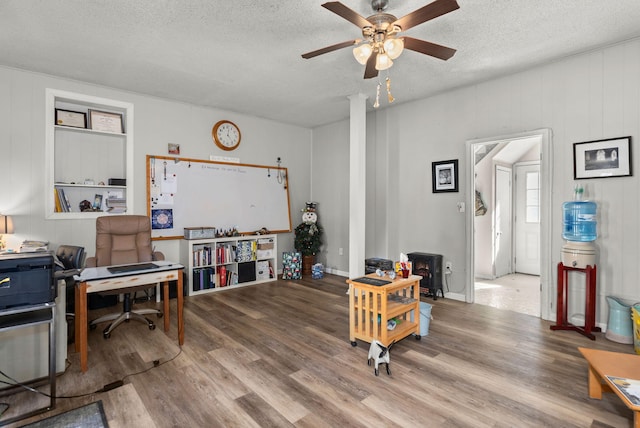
579, 221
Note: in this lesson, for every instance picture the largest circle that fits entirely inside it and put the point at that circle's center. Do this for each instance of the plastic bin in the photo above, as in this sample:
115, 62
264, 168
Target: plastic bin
635, 310
620, 325
425, 318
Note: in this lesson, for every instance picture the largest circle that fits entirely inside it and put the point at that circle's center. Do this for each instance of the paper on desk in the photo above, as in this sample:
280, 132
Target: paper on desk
630, 388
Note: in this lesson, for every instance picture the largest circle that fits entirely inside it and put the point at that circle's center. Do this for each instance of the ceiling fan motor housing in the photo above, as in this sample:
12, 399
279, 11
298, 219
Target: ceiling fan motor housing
378, 5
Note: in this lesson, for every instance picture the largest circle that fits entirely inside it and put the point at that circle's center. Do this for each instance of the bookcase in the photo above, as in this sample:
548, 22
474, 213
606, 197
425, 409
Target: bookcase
223, 263
89, 155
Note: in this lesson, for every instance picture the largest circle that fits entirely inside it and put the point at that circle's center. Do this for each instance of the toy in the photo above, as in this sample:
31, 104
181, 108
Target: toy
379, 354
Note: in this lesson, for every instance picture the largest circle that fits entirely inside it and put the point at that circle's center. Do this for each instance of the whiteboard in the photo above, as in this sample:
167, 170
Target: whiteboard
185, 192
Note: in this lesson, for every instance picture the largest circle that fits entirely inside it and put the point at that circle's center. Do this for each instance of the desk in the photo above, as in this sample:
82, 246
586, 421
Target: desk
605, 363
94, 280
25, 316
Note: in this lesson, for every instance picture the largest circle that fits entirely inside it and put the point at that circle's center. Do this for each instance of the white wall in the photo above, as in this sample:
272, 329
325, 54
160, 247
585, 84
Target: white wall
157, 123
582, 98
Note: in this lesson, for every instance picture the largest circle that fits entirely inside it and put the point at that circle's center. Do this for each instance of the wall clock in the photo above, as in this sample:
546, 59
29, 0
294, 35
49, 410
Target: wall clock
226, 135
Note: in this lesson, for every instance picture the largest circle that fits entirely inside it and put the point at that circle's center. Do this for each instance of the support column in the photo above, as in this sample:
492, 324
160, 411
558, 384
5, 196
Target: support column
357, 183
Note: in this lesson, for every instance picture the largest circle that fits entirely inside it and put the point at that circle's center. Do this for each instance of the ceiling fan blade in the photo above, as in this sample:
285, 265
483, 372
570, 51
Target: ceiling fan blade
428, 48
426, 13
370, 70
330, 48
348, 14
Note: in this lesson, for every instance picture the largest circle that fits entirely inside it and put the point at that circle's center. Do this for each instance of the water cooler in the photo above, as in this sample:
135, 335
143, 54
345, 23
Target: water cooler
578, 255
579, 229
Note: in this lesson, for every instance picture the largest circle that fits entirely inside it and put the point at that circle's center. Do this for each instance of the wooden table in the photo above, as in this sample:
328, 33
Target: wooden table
372, 306
605, 363
94, 280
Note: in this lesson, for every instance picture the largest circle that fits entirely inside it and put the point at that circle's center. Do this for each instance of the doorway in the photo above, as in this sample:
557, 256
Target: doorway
498, 241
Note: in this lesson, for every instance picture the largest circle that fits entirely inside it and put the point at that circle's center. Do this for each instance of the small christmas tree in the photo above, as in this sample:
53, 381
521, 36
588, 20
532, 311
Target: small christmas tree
308, 234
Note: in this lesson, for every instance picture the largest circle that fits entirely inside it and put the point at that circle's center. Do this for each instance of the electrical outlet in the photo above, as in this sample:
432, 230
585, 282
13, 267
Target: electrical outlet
448, 268
340, 251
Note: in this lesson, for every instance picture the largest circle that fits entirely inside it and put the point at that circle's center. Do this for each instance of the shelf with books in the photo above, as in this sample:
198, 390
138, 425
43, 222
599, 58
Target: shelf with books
89, 155
223, 263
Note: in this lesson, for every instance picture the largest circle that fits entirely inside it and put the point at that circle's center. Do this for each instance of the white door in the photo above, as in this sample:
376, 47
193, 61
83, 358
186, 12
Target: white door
502, 219
527, 224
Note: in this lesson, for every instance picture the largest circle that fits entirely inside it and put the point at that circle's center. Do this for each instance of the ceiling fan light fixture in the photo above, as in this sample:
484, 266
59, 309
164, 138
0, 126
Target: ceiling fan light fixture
362, 53
383, 61
393, 47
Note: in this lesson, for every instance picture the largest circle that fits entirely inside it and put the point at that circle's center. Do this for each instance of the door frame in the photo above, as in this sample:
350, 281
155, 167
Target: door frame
546, 182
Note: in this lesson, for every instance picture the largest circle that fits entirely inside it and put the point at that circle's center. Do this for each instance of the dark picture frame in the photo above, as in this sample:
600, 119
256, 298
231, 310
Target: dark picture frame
73, 119
602, 158
106, 121
444, 176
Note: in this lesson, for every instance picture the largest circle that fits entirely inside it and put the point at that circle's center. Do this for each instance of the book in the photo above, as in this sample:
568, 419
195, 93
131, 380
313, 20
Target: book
629, 388
56, 198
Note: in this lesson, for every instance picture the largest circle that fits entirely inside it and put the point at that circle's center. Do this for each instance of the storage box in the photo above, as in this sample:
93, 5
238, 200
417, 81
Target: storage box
117, 182
26, 279
265, 244
199, 232
263, 271
264, 254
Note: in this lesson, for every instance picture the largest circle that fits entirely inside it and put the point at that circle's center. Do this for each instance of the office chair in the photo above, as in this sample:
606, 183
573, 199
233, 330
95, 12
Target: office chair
121, 240
69, 262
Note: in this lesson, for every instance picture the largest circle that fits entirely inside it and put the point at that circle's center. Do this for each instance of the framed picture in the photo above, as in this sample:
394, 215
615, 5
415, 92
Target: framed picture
602, 158
75, 119
162, 219
106, 121
97, 201
444, 176
174, 149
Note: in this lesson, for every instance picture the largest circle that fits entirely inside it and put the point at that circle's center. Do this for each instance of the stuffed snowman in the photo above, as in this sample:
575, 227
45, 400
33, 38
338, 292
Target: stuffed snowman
309, 215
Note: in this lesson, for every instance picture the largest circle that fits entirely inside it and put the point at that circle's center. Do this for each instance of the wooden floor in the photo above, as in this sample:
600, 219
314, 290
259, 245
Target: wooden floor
278, 355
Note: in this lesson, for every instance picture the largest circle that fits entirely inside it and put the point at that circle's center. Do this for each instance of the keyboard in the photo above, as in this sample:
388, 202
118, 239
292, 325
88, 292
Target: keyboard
371, 281
132, 268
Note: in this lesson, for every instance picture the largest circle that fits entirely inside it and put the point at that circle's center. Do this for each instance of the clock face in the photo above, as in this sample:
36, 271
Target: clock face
226, 135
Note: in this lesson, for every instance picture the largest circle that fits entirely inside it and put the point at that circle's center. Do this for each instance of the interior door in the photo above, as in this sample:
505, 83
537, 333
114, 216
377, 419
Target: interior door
503, 219
527, 224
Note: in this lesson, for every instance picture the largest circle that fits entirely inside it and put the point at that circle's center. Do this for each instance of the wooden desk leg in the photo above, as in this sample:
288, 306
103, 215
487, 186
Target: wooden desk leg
636, 419
165, 301
180, 298
81, 324
595, 385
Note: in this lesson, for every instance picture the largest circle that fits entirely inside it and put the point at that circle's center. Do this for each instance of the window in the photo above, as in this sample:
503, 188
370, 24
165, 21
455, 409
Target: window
532, 201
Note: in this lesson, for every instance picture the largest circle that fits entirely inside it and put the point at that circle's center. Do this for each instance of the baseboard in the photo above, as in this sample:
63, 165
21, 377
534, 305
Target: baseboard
455, 296
336, 272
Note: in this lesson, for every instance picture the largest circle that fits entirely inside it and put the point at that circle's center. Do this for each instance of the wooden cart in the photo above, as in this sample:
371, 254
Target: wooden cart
372, 306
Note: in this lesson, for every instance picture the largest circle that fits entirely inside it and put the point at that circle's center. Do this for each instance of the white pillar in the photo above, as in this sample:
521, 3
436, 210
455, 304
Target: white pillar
357, 183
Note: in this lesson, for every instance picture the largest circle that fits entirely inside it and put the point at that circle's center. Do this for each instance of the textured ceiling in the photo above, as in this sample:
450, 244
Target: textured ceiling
244, 55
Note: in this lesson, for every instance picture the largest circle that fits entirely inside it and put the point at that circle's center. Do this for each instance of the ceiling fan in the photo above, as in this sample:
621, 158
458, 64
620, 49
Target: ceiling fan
381, 43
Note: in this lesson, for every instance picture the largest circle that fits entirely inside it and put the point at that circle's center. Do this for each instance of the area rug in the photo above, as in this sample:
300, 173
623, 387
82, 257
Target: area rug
89, 416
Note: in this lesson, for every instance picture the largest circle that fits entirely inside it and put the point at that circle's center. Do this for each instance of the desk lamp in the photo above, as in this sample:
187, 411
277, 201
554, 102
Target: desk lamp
6, 227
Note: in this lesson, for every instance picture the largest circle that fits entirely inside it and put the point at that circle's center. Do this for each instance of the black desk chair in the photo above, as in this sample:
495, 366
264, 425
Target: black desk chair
69, 262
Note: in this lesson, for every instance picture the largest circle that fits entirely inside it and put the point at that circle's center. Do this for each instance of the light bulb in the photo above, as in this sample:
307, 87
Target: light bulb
362, 53
394, 47
383, 61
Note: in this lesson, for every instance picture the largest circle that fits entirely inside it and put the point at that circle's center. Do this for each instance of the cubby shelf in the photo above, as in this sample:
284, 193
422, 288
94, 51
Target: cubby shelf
228, 262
